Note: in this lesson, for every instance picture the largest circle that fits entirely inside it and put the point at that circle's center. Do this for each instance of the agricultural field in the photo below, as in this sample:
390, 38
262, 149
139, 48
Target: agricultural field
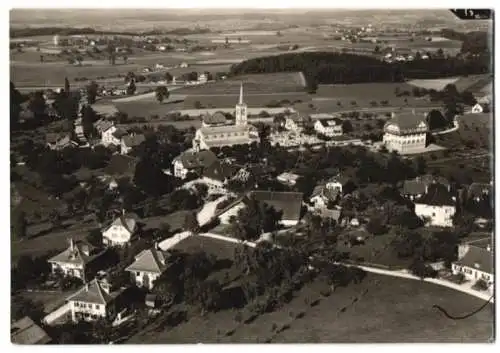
436, 84
379, 309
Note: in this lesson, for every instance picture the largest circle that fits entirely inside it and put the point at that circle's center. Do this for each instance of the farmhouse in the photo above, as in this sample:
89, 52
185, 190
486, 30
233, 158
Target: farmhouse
475, 263
437, 206
329, 128
121, 231
322, 195
417, 187
193, 161
148, 266
93, 301
240, 133
478, 108
58, 143
78, 260
406, 133
25, 331
289, 203
131, 141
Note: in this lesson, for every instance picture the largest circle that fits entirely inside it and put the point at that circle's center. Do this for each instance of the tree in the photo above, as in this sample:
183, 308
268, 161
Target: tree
125, 58
19, 224
79, 58
16, 99
94, 237
376, 226
312, 85
191, 222
436, 120
91, 90
89, 116
37, 104
66, 86
131, 88
420, 165
162, 93
168, 77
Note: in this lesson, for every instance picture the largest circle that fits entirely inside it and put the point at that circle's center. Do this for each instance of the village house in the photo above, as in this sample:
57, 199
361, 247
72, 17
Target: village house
329, 128
148, 266
26, 332
436, 206
121, 231
193, 161
57, 143
287, 178
288, 203
79, 260
109, 133
216, 175
477, 108
322, 196
95, 300
417, 187
479, 191
129, 142
475, 263
337, 183
406, 133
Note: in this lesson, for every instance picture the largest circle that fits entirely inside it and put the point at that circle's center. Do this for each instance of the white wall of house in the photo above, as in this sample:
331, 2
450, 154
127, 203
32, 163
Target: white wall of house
124, 148
404, 143
330, 131
472, 274
68, 269
289, 222
145, 279
179, 170
107, 137
318, 201
334, 185
440, 216
116, 235
214, 186
477, 108
89, 311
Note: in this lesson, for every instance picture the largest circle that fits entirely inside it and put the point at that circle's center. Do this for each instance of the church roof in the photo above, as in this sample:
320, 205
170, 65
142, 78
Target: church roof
224, 129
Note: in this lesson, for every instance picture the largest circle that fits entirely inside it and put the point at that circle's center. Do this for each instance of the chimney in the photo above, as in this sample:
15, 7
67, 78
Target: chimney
71, 244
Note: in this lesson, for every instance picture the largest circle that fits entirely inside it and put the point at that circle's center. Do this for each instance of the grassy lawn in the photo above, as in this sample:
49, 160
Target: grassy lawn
221, 249
50, 300
174, 220
380, 309
217, 100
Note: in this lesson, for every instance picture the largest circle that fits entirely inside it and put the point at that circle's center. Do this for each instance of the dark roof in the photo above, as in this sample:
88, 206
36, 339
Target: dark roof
92, 292
121, 165
418, 185
25, 331
133, 140
150, 260
330, 122
407, 122
437, 195
290, 203
119, 133
220, 171
478, 258
479, 190
76, 253
193, 159
103, 125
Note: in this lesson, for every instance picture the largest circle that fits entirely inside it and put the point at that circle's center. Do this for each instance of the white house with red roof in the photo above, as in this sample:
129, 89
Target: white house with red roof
76, 260
121, 231
93, 301
148, 266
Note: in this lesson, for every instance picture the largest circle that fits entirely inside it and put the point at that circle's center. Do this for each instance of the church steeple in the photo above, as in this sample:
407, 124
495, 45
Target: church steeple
241, 109
241, 94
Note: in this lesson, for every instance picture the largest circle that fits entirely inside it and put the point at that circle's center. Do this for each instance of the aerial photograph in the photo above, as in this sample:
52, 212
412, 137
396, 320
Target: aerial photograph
251, 176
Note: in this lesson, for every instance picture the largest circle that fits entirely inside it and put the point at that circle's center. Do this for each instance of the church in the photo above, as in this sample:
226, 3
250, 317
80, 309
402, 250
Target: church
217, 135
406, 133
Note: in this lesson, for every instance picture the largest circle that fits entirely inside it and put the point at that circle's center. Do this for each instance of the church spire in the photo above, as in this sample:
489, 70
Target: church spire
241, 94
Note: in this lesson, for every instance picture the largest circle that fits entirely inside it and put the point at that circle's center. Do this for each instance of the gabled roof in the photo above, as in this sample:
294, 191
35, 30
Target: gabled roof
133, 140
418, 185
477, 258
77, 254
193, 159
211, 130
290, 203
437, 195
479, 190
330, 122
129, 223
150, 260
25, 331
103, 125
119, 133
92, 292
220, 171
121, 165
407, 122
318, 190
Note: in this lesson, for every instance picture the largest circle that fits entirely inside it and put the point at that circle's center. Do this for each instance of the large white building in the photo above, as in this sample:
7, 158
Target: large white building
329, 128
406, 133
436, 206
240, 133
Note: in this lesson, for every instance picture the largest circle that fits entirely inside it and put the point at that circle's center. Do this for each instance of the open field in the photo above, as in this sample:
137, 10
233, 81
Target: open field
473, 128
436, 84
380, 309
